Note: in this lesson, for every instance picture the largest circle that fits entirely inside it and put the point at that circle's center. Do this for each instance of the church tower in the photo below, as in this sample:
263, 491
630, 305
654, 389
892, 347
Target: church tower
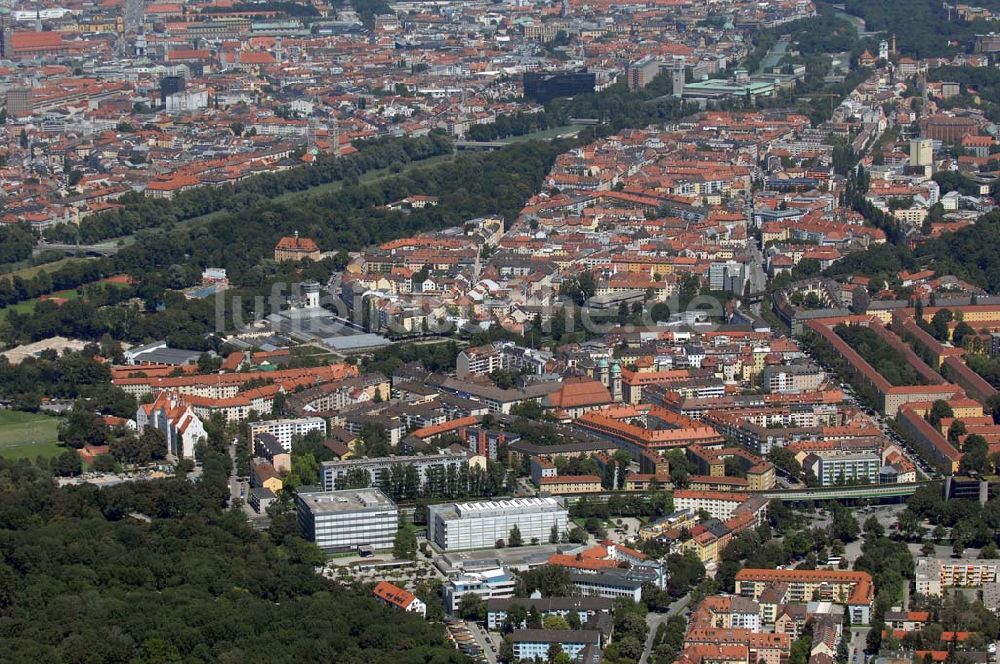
616, 382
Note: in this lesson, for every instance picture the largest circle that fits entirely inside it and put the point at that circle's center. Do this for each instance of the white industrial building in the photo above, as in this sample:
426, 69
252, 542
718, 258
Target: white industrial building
480, 525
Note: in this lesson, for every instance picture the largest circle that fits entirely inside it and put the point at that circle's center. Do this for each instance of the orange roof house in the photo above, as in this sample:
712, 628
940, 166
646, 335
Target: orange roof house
397, 597
295, 248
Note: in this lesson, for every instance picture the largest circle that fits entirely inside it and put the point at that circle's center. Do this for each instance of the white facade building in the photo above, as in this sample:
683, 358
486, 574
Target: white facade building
534, 644
432, 469
285, 430
350, 519
480, 525
186, 100
721, 505
176, 419
844, 468
495, 583
934, 575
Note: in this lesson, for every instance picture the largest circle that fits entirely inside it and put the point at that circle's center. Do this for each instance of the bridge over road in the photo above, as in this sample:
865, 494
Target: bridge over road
856, 492
100, 249
863, 491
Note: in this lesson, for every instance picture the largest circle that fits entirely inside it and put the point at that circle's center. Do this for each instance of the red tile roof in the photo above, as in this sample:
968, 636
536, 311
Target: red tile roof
393, 594
576, 392
444, 427
294, 243
31, 41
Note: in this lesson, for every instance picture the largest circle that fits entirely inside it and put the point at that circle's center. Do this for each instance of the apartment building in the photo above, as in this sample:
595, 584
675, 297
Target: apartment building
478, 361
713, 483
891, 397
717, 645
534, 644
344, 520
228, 385
287, 429
268, 448
585, 608
432, 469
793, 378
853, 589
486, 442
236, 408
482, 360
571, 484
928, 440
934, 575
844, 468
541, 468
728, 612
663, 429
720, 505
480, 525
760, 474
337, 395
641, 72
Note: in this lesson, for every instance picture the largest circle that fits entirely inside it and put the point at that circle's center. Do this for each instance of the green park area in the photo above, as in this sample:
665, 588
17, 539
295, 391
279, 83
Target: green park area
28, 306
28, 435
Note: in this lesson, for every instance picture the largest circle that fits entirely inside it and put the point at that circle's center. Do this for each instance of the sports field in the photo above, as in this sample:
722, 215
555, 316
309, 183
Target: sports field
28, 435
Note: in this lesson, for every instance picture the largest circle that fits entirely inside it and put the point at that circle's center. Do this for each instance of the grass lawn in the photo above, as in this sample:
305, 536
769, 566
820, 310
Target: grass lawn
544, 134
29, 305
33, 270
28, 435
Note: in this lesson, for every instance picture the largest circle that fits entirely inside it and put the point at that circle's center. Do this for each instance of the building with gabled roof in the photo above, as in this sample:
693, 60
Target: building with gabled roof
397, 597
577, 396
295, 248
852, 588
176, 419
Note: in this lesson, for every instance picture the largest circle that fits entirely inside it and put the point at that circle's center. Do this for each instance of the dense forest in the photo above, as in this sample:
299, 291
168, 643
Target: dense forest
66, 376
516, 124
141, 212
977, 82
970, 253
16, 243
921, 27
160, 572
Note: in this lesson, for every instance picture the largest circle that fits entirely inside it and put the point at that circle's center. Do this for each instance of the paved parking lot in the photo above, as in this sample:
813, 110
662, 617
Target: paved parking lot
472, 640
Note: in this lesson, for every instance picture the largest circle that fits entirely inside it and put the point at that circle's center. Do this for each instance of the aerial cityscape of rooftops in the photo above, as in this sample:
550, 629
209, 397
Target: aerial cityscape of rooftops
454, 332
